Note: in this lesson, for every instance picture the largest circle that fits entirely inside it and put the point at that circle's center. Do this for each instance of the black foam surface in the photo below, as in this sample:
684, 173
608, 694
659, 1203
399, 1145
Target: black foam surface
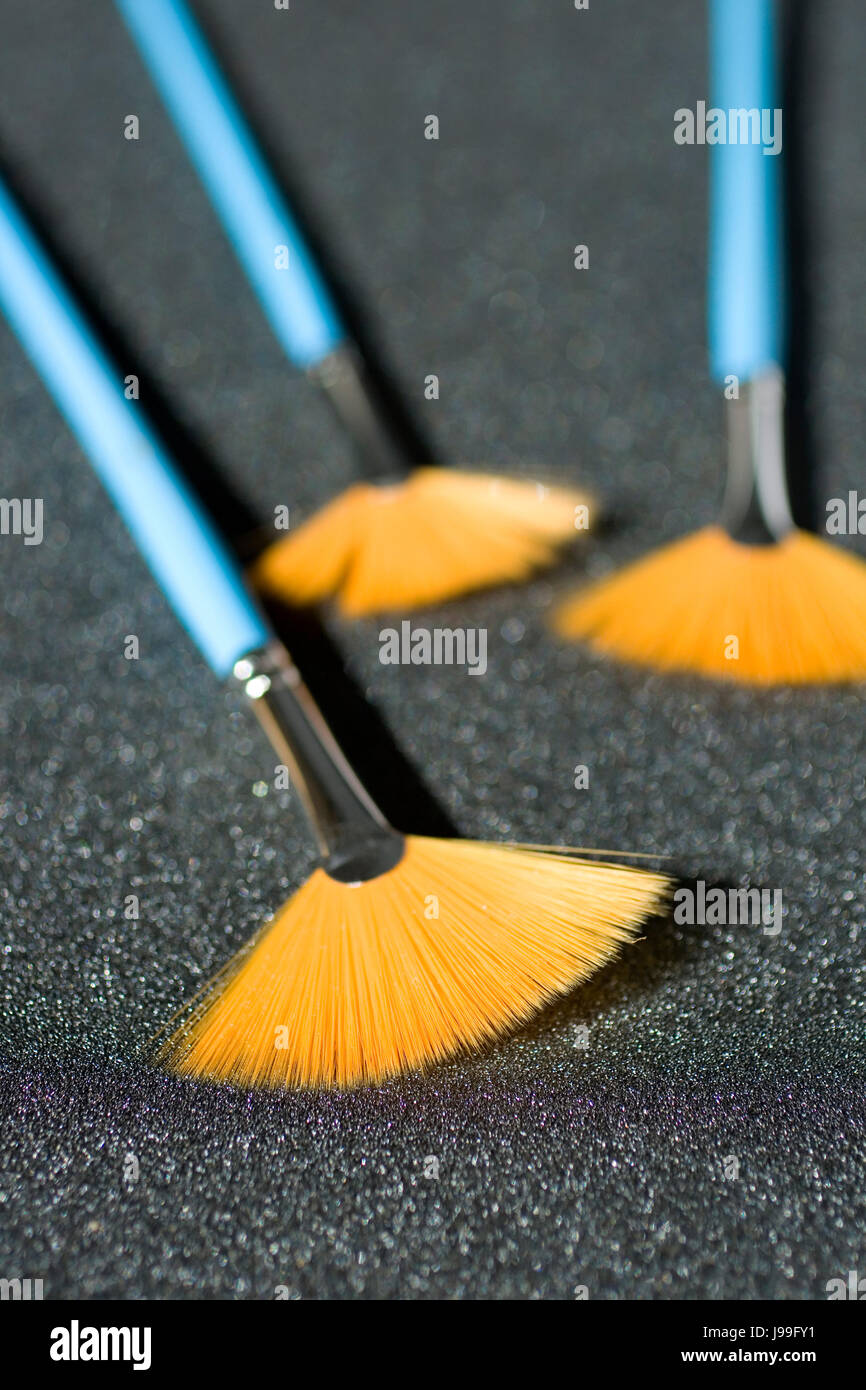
688, 1125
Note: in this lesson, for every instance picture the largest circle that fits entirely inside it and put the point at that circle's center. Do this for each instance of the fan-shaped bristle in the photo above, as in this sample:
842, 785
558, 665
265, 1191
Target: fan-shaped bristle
458, 943
439, 534
790, 613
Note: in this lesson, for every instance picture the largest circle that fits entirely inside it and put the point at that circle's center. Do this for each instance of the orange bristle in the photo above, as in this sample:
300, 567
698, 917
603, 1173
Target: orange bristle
786, 614
461, 941
439, 534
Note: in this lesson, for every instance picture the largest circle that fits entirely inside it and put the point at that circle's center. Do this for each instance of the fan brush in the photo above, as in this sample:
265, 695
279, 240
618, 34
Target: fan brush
753, 599
399, 950
406, 536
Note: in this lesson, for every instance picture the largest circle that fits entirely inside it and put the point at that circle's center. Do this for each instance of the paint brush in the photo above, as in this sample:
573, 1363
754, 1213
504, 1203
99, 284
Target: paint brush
753, 599
399, 950
408, 535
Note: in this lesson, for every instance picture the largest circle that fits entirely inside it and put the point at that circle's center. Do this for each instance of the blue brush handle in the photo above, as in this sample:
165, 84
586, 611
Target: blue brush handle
746, 307
220, 144
194, 568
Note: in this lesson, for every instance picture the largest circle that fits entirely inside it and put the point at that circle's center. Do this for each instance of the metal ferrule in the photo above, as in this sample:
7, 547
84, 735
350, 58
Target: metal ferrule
346, 382
757, 508
356, 841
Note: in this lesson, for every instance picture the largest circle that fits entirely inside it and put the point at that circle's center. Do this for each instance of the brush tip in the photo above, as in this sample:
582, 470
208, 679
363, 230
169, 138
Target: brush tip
438, 534
790, 613
457, 944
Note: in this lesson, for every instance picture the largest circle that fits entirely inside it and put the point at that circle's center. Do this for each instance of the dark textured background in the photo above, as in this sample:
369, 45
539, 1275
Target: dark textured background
558, 1166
